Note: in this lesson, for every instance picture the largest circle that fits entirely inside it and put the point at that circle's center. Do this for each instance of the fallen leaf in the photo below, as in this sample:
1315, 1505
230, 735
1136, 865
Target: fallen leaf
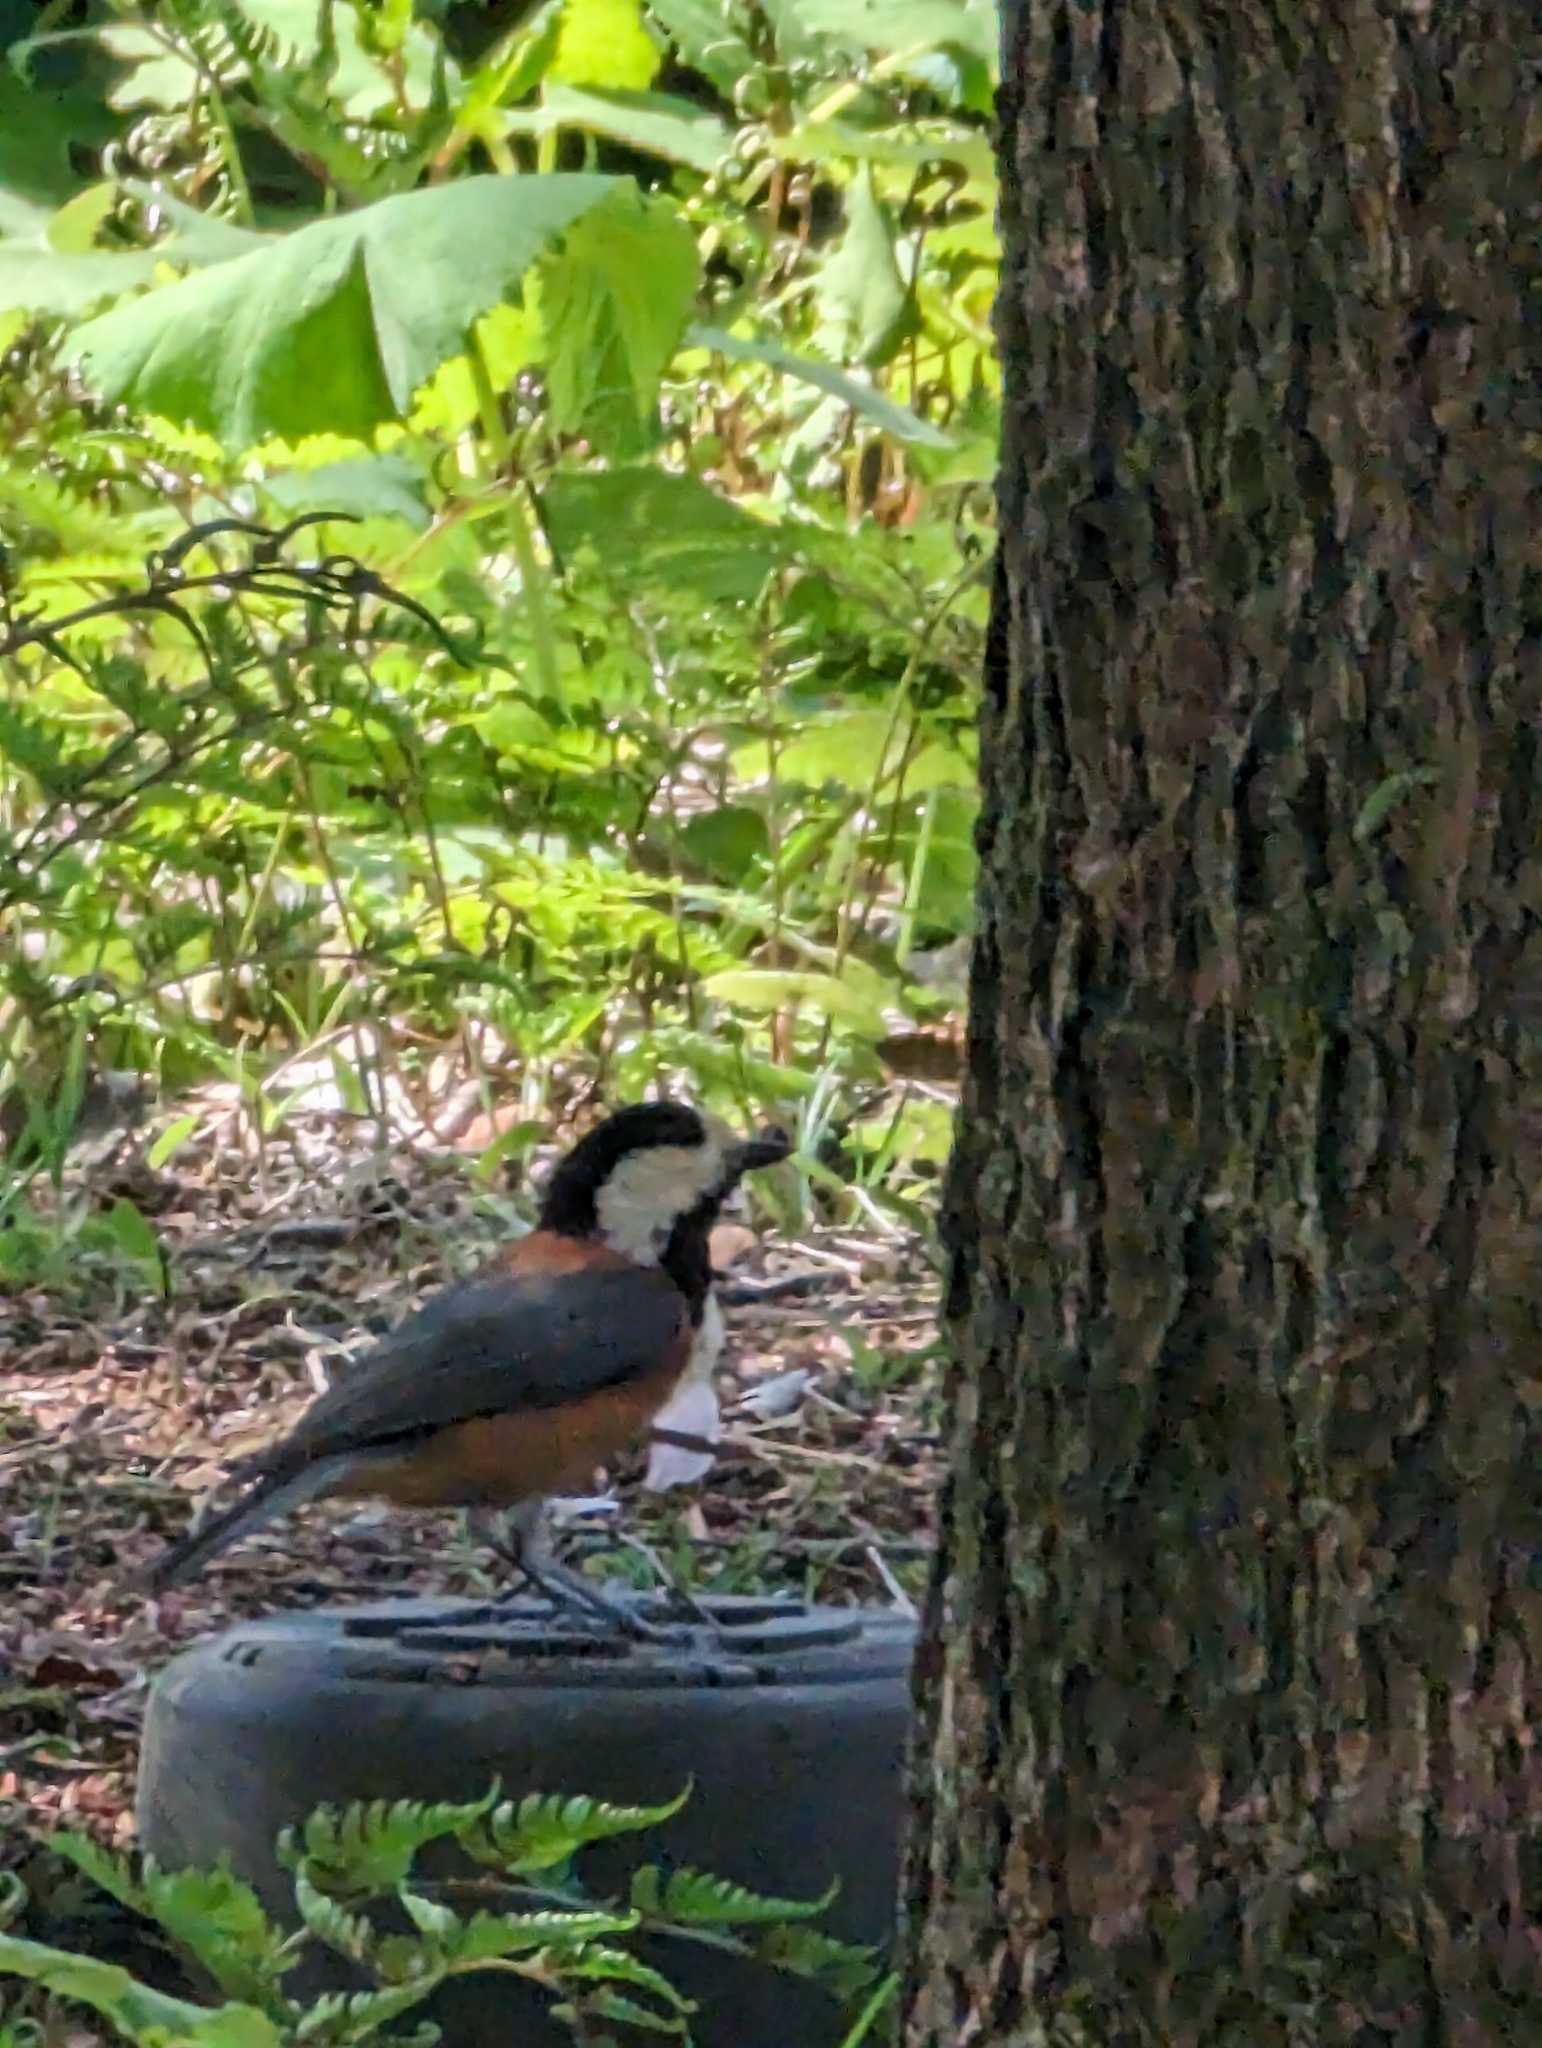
728, 1242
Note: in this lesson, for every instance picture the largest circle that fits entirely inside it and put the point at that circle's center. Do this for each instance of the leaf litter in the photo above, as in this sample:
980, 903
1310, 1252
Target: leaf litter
120, 1406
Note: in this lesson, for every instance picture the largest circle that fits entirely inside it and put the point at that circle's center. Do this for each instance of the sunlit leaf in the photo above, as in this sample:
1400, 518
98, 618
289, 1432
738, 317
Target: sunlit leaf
653, 122
368, 486
765, 989
862, 398
604, 43
334, 327
36, 276
614, 303
708, 38
865, 305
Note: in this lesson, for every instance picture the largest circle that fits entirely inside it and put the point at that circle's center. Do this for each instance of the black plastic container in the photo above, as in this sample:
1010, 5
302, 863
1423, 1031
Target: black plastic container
791, 1722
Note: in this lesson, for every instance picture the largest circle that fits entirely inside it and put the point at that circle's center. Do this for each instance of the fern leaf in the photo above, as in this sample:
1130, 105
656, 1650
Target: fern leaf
349, 1933
617, 1966
845, 1969
615, 2005
544, 1831
489, 1935
220, 1920
104, 1867
437, 1924
694, 1898
369, 1848
343, 2017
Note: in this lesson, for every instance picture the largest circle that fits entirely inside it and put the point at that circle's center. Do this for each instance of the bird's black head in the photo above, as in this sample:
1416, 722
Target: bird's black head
650, 1182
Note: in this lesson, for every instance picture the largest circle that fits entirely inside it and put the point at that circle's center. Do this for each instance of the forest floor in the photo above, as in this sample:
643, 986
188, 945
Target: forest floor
120, 1407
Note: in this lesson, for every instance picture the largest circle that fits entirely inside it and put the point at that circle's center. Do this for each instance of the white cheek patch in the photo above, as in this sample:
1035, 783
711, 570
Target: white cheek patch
637, 1207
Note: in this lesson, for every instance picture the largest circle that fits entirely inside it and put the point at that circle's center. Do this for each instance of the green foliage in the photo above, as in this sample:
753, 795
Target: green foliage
546, 1833
693, 1898
646, 348
371, 1848
136, 2012
347, 1865
336, 326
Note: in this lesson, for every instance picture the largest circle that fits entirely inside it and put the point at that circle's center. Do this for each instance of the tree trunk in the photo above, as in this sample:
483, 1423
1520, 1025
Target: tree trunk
1232, 1676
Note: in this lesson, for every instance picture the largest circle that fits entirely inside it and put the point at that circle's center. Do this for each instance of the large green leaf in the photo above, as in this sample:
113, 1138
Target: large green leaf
368, 486
730, 843
196, 237
614, 303
37, 276
889, 28
50, 261
664, 529
854, 747
333, 328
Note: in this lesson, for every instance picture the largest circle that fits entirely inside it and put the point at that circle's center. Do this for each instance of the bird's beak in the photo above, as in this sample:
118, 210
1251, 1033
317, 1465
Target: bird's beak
767, 1149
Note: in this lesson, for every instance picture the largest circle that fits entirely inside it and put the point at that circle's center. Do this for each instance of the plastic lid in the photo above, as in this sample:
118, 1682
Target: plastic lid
525, 1642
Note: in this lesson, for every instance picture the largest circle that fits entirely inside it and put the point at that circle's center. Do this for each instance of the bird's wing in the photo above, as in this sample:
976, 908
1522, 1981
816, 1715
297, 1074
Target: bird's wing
492, 1346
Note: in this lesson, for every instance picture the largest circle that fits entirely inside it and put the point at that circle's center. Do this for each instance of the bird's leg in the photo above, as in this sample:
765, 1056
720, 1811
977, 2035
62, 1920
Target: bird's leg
520, 1540
683, 1599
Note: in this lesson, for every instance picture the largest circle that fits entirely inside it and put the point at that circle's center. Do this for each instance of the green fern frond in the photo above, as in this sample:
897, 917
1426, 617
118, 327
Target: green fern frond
616, 1966
546, 1830
845, 1969
615, 2005
349, 1933
97, 568
105, 1867
30, 499
489, 1935
220, 1920
257, 44
694, 1898
369, 1847
340, 2017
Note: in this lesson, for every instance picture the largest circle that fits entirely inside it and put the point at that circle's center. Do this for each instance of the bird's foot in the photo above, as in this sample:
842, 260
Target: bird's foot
519, 1545
571, 1590
680, 1597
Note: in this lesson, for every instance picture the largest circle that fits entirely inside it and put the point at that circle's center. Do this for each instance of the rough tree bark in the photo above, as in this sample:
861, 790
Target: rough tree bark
1232, 1675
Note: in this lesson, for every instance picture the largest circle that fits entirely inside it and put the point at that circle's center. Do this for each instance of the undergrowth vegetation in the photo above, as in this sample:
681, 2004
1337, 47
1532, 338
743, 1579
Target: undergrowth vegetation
514, 1902
495, 504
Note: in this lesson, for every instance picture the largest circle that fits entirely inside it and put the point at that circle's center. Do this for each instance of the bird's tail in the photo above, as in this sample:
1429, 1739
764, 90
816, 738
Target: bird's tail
273, 1494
